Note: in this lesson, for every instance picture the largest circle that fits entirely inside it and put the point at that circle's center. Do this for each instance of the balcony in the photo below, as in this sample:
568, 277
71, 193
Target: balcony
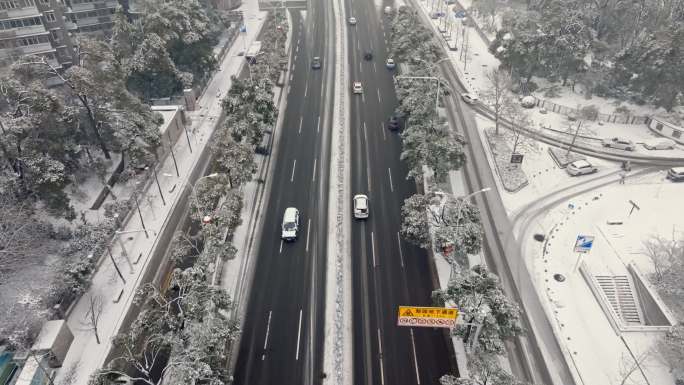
18, 13
94, 5
23, 32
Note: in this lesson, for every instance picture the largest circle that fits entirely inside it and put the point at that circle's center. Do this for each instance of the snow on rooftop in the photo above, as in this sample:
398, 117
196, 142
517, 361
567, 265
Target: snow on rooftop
48, 334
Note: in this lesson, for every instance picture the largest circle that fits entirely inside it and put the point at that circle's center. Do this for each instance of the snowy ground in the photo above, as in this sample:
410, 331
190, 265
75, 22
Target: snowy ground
85, 354
575, 311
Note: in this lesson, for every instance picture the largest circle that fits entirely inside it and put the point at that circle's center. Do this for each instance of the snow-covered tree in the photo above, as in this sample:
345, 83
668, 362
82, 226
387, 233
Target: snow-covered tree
479, 298
435, 147
250, 109
671, 347
410, 41
414, 224
484, 369
652, 65
454, 221
235, 159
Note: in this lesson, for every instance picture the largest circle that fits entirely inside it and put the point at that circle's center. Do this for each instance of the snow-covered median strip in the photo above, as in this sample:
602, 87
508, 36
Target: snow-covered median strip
337, 363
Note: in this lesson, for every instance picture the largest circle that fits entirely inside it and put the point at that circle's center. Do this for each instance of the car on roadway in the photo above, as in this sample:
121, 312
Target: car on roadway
580, 167
290, 224
352, 20
316, 63
393, 123
388, 10
390, 64
659, 144
368, 55
618, 143
469, 98
357, 88
676, 174
360, 206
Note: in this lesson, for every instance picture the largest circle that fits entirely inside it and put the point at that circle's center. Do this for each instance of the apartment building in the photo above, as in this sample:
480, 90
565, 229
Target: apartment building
35, 27
46, 27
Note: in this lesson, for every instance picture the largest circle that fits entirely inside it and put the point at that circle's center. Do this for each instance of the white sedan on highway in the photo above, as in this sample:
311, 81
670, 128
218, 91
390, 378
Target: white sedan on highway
360, 206
357, 88
469, 98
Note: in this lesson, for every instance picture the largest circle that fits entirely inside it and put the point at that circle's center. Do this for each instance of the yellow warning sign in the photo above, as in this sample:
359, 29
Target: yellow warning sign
432, 317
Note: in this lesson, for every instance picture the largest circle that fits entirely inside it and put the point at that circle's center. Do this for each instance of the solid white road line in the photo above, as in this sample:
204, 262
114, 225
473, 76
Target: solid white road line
297, 49
373, 249
379, 99
313, 178
281, 247
299, 334
360, 67
363, 97
306, 89
268, 329
300, 124
384, 137
415, 359
295, 58
308, 228
318, 125
382, 369
375, 69
291, 75
389, 171
294, 166
365, 136
401, 255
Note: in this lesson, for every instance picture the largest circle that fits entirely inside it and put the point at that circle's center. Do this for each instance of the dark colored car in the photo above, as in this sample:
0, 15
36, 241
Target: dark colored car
316, 63
368, 55
393, 123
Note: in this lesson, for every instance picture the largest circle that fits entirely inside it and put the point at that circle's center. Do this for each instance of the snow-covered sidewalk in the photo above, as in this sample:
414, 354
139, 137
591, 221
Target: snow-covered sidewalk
85, 354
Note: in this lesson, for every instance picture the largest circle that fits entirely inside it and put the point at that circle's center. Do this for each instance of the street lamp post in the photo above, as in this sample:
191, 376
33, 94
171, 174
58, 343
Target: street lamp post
458, 223
192, 186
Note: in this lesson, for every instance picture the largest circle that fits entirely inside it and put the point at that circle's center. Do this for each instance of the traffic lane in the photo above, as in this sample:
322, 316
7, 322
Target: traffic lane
426, 339
275, 212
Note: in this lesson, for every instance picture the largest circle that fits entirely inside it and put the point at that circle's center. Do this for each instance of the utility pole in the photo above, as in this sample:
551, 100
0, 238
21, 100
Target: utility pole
574, 137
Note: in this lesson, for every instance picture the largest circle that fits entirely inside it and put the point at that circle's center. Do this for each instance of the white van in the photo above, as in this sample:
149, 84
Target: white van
290, 224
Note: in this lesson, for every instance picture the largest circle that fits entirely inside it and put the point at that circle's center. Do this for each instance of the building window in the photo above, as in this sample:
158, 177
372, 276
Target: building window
676, 134
50, 16
8, 4
45, 1
55, 35
659, 126
29, 3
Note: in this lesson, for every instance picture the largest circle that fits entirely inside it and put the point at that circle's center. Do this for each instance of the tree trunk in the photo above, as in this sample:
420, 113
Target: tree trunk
94, 124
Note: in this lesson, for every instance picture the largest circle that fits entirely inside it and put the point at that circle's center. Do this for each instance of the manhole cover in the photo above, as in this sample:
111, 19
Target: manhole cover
559, 277
539, 237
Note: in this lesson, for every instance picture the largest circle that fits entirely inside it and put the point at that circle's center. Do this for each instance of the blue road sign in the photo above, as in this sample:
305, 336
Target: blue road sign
584, 243
243, 28
460, 14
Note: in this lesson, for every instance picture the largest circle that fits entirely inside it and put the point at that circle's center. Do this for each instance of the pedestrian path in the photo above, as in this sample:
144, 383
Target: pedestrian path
86, 354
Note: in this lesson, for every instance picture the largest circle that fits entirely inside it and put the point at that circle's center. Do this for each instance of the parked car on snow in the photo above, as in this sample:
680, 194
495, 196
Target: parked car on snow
659, 144
619, 143
528, 101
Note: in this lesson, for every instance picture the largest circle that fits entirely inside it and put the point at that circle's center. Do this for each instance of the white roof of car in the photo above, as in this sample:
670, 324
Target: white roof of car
290, 214
659, 140
678, 170
357, 84
581, 164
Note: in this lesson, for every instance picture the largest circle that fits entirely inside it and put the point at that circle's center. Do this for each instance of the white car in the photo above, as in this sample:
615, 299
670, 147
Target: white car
290, 224
580, 167
360, 206
619, 143
388, 10
357, 88
352, 20
659, 144
469, 98
390, 64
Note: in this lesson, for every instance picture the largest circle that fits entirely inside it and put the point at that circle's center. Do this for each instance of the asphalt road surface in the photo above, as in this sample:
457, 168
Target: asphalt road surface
387, 272
282, 337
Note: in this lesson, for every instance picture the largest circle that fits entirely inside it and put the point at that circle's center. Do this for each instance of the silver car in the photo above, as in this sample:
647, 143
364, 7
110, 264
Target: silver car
580, 167
619, 143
